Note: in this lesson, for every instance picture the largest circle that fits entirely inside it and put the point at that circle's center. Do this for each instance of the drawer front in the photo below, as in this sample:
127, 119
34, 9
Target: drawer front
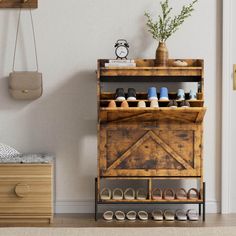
25, 192
153, 149
27, 170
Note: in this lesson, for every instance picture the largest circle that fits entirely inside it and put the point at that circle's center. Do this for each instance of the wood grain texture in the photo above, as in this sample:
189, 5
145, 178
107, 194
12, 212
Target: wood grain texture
151, 200
148, 143
18, 4
146, 67
154, 149
165, 114
26, 191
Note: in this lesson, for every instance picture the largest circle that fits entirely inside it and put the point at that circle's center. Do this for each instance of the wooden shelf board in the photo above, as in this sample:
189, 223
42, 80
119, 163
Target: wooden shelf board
147, 68
153, 68
143, 96
162, 104
151, 71
189, 201
160, 101
151, 177
150, 109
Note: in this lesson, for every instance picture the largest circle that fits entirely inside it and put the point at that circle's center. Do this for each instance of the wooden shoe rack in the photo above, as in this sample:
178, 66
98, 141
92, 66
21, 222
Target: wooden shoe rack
150, 143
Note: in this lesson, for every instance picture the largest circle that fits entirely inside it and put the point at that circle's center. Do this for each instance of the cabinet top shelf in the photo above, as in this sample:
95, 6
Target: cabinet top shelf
146, 70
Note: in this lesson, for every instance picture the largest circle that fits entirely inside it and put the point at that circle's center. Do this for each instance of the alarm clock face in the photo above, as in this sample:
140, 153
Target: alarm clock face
122, 51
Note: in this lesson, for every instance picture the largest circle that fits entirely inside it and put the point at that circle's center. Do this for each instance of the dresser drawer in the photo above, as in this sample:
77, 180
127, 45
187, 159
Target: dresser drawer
26, 189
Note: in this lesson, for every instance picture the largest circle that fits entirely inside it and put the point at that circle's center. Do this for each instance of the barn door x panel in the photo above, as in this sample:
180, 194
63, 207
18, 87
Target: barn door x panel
164, 150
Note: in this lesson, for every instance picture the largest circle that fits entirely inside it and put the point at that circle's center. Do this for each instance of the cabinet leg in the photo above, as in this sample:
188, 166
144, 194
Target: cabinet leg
96, 205
204, 212
200, 209
204, 201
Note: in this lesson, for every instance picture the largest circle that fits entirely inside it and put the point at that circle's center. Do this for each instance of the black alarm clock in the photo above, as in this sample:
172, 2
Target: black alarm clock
122, 49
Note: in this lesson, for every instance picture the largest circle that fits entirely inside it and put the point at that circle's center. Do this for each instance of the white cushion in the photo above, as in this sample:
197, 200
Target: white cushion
6, 150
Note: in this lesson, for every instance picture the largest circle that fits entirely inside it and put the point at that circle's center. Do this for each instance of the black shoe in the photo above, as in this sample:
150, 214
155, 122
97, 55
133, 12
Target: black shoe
120, 94
131, 94
184, 104
173, 104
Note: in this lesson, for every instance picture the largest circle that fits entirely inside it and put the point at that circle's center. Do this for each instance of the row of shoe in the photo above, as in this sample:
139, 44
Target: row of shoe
179, 194
153, 104
157, 194
157, 215
152, 94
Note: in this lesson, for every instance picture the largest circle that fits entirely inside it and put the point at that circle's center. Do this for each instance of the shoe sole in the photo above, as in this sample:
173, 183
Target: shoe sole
120, 99
131, 99
164, 99
153, 98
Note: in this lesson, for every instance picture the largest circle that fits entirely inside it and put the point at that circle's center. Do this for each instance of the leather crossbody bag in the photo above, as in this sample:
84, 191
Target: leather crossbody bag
25, 85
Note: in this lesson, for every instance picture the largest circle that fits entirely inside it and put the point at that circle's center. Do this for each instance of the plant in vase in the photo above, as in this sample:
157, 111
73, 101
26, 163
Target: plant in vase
165, 26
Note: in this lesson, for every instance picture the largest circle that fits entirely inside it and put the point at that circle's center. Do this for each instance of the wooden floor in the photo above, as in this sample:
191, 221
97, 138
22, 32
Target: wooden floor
87, 220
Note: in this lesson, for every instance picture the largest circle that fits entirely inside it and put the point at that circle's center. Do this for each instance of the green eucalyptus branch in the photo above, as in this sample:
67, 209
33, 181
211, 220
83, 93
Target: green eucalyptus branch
165, 25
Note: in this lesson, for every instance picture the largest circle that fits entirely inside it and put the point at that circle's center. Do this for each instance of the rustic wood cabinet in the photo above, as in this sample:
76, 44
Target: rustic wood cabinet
150, 143
150, 149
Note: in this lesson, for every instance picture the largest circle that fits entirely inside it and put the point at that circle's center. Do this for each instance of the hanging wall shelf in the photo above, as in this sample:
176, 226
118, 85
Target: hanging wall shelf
18, 3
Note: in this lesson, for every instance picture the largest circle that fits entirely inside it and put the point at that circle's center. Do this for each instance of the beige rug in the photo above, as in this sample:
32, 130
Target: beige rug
173, 231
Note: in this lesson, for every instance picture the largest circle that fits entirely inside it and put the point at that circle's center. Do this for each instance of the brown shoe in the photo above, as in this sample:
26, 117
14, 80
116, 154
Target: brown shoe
125, 104
112, 104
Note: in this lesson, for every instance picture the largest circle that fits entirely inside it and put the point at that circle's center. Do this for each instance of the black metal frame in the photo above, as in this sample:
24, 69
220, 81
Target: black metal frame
162, 79
201, 205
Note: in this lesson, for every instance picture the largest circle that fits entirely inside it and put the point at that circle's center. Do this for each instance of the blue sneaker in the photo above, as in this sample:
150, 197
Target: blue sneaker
180, 95
164, 94
192, 95
152, 93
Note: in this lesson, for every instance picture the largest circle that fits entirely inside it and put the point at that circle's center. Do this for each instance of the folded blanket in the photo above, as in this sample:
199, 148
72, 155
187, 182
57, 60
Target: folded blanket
27, 158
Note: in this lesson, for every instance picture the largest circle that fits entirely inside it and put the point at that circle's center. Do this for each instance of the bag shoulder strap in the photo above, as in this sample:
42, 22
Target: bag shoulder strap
17, 34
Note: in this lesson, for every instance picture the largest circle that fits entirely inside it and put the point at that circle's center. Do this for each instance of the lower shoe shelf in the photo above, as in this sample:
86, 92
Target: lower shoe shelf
200, 202
150, 201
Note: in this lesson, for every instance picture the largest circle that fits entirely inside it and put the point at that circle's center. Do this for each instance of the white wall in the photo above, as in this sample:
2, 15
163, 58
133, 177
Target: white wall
71, 36
232, 141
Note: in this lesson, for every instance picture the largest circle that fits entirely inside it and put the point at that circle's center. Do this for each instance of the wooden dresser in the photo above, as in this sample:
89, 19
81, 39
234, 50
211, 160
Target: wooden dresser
26, 192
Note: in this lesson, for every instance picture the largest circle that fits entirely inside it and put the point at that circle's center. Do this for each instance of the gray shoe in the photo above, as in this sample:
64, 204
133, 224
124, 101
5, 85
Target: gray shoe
173, 104
184, 104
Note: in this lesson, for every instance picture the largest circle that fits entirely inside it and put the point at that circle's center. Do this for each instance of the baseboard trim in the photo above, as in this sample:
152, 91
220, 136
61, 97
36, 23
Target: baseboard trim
212, 206
74, 207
